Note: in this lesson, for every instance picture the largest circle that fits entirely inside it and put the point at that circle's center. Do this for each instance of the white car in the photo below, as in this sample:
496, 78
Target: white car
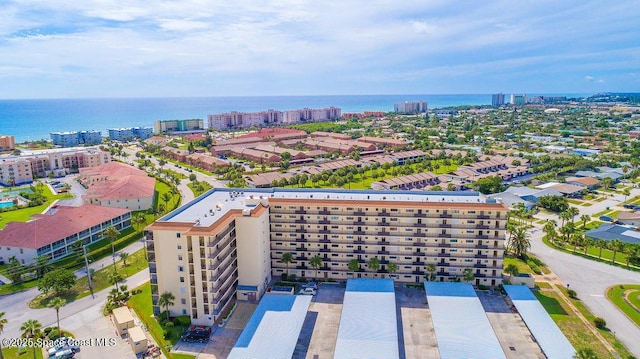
307, 291
313, 285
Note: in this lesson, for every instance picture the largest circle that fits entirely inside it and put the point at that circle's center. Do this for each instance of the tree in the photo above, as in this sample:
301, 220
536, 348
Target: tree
631, 250
557, 204
374, 264
286, 259
139, 219
488, 185
316, 262
626, 191
392, 268
431, 272
114, 278
3, 321
585, 218
353, 265
56, 304
166, 300
15, 270
166, 197
112, 233
520, 242
573, 212
586, 243
123, 257
585, 353
601, 243
511, 269
467, 275
31, 329
42, 266
549, 229
57, 281
616, 245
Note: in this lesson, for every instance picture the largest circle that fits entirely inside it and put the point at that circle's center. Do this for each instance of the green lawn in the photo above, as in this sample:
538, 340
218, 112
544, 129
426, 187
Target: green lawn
201, 188
161, 188
571, 325
135, 263
12, 353
141, 303
523, 267
24, 214
616, 295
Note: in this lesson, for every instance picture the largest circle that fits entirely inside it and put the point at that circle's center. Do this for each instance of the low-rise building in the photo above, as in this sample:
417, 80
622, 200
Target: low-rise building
123, 320
178, 126
59, 232
118, 185
130, 133
75, 138
7, 143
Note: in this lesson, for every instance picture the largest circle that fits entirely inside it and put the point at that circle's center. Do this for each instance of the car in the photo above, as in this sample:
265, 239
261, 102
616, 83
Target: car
605, 218
64, 354
628, 206
636, 207
313, 285
307, 291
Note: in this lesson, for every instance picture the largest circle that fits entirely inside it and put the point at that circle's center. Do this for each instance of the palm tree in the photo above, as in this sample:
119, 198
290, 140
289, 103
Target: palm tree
467, 275
374, 264
601, 243
114, 278
549, 229
585, 353
112, 233
511, 270
166, 197
626, 191
520, 243
31, 329
139, 219
56, 304
353, 265
576, 237
166, 300
316, 262
585, 218
567, 230
42, 265
631, 250
123, 257
431, 269
3, 321
615, 245
586, 243
564, 217
286, 259
573, 211
392, 268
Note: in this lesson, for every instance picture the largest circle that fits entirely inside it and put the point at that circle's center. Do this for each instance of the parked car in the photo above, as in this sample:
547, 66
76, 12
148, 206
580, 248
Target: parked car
605, 218
307, 291
629, 206
313, 285
64, 354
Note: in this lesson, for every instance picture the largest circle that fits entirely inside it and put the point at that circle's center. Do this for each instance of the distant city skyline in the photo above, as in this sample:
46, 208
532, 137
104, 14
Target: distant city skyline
61, 49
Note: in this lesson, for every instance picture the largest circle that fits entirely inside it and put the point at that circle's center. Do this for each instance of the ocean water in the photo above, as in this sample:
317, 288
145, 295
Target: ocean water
29, 120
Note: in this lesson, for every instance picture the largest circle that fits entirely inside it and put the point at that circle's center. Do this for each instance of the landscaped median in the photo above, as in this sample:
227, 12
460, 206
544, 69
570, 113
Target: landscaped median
627, 298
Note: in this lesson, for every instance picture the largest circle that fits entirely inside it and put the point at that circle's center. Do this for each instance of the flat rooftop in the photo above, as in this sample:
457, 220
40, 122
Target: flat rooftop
274, 327
207, 208
460, 322
550, 338
368, 323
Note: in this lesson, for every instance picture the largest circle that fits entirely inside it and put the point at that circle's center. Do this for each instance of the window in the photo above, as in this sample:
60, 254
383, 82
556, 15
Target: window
178, 235
180, 268
179, 257
181, 279
179, 247
183, 301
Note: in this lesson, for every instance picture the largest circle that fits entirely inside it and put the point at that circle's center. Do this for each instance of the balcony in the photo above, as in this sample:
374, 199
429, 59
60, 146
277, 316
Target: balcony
482, 236
383, 243
442, 274
359, 213
419, 254
301, 239
383, 233
444, 245
446, 215
420, 225
325, 250
300, 211
418, 272
324, 231
324, 221
324, 213
442, 264
358, 241
478, 265
444, 225
444, 255
481, 246
359, 223
418, 244
482, 256
482, 216
418, 263
386, 224
300, 221
301, 230
301, 249
302, 258
384, 214
444, 235
358, 232
419, 234
325, 241
383, 252
358, 251
482, 226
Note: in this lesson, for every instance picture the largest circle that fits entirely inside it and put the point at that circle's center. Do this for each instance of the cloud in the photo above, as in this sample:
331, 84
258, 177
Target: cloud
229, 47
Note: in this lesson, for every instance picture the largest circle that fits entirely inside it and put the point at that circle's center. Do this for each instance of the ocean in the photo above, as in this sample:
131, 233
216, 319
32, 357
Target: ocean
29, 120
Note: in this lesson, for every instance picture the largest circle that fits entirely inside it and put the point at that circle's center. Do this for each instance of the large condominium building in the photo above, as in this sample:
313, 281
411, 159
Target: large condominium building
411, 107
7, 143
130, 133
56, 162
497, 99
75, 138
229, 243
178, 126
235, 119
518, 99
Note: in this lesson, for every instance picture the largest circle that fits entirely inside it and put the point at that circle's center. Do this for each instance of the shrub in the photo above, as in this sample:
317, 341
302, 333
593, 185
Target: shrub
283, 277
182, 320
168, 324
167, 335
303, 279
572, 294
600, 323
535, 268
53, 334
47, 330
292, 277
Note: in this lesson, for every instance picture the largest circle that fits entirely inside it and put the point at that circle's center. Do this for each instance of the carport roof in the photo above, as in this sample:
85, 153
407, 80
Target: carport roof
552, 341
460, 322
368, 324
274, 327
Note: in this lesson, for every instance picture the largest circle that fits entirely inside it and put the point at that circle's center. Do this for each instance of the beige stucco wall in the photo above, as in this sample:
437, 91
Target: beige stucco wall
166, 250
254, 261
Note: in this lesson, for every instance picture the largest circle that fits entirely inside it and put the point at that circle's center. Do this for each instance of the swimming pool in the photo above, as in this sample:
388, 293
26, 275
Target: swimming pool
6, 204
15, 192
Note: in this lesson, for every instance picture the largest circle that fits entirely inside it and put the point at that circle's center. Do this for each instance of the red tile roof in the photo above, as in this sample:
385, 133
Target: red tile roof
48, 228
116, 180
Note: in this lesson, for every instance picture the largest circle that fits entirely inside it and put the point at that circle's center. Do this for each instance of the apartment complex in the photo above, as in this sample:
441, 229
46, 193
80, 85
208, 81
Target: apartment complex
229, 243
7, 143
130, 133
178, 126
497, 99
75, 138
116, 184
234, 119
21, 169
411, 107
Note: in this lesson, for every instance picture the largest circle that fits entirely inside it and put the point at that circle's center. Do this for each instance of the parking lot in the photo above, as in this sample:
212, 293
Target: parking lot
416, 335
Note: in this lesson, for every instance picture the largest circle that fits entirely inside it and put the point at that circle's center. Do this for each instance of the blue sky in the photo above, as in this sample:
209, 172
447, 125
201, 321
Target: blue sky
98, 48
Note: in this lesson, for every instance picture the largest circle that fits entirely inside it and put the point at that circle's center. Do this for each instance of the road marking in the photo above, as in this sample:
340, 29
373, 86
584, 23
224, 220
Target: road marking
597, 295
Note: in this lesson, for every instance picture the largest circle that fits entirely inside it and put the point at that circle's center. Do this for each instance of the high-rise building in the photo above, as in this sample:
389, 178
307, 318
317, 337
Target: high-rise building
518, 99
7, 143
411, 107
497, 99
234, 119
179, 126
230, 242
75, 138
130, 133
